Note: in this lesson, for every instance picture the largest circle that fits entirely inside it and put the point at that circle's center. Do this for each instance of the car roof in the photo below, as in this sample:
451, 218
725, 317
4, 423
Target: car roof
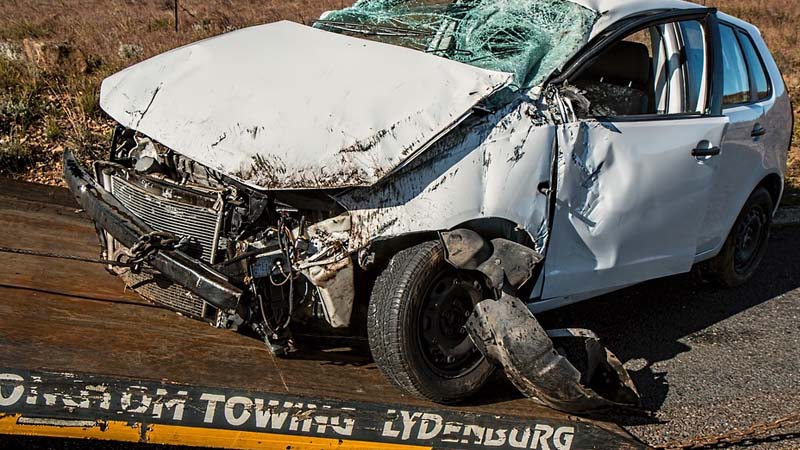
611, 11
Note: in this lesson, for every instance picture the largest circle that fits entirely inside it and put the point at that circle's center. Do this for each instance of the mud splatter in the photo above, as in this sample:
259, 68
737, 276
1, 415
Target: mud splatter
221, 138
369, 143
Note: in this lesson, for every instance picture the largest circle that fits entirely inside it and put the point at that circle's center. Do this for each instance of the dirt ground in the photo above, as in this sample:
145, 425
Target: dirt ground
54, 54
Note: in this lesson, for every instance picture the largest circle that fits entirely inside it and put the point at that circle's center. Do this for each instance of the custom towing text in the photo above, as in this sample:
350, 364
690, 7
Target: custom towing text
68, 399
64, 397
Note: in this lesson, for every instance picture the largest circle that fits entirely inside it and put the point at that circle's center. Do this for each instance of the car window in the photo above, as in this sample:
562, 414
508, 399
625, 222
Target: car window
694, 50
736, 85
530, 39
658, 70
758, 73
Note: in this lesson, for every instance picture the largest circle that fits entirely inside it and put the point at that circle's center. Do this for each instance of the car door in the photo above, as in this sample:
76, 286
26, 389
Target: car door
633, 189
746, 88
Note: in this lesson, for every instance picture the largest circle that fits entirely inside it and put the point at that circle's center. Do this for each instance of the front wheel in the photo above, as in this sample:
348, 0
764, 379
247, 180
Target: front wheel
746, 244
416, 326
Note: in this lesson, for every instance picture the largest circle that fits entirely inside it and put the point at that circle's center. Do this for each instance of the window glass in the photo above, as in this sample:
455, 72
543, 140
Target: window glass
530, 39
658, 70
694, 47
758, 72
736, 85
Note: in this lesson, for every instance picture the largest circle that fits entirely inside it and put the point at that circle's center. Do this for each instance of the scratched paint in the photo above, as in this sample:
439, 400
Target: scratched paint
488, 168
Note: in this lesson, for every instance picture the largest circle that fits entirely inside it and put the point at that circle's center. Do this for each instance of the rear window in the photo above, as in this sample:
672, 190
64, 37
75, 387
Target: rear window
736, 81
758, 74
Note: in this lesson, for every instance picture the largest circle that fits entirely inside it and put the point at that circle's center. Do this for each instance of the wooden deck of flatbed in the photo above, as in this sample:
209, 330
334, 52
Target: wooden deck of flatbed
59, 316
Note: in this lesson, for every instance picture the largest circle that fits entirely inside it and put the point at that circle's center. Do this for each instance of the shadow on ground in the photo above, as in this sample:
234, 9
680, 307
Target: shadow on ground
648, 322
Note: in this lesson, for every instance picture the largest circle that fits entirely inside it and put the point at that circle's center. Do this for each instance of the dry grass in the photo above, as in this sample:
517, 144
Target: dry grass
53, 55
48, 97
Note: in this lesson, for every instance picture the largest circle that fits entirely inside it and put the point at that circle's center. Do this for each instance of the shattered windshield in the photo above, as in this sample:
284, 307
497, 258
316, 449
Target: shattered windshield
529, 38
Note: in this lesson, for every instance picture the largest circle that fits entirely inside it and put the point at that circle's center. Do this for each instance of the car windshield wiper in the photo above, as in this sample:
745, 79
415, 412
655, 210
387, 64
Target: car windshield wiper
373, 30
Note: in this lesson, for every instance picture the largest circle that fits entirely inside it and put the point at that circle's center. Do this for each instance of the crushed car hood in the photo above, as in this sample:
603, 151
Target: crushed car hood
288, 106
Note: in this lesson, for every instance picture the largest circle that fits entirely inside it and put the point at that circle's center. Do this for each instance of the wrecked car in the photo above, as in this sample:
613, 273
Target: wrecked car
436, 172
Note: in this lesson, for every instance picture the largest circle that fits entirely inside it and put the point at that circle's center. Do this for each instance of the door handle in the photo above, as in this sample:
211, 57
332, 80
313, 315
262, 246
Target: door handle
705, 149
758, 131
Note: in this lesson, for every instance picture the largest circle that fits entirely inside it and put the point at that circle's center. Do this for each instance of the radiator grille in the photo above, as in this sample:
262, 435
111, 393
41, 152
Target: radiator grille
196, 222
159, 289
183, 219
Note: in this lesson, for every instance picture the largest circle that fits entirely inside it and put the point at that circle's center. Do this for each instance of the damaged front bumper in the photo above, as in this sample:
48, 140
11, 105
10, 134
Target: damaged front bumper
111, 216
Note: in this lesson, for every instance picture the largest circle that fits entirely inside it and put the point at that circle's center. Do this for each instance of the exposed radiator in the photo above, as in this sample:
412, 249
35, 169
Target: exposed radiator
200, 224
159, 289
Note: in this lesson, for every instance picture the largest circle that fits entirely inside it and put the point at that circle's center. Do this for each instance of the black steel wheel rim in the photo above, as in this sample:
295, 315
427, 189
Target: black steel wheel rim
442, 337
751, 234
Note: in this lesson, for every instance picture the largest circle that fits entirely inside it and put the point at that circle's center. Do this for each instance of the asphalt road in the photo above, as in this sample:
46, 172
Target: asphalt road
706, 359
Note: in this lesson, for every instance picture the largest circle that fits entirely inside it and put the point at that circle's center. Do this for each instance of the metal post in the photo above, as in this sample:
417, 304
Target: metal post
176, 16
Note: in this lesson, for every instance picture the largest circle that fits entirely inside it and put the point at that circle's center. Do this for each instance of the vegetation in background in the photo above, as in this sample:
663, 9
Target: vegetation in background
53, 56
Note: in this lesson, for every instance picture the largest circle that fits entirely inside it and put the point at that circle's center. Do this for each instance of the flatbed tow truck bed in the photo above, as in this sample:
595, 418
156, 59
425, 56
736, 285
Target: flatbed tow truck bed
82, 358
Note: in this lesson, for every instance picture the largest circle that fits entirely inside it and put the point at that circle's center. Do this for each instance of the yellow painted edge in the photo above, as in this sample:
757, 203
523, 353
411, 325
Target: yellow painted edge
114, 430
211, 437
193, 436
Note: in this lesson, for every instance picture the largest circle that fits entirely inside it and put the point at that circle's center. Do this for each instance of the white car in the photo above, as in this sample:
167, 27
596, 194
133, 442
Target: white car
401, 162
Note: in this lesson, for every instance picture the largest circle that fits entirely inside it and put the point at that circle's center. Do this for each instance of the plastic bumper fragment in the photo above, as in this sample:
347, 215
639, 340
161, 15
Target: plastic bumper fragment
506, 332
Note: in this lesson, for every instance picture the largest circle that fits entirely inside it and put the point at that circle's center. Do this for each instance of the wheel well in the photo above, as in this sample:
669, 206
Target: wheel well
774, 185
489, 228
382, 250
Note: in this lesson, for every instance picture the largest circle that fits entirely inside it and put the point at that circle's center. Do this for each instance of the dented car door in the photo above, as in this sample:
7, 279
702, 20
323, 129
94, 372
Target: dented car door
633, 191
630, 204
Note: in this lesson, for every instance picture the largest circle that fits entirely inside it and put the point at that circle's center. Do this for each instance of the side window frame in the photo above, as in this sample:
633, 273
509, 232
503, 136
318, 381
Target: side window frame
744, 38
706, 16
703, 97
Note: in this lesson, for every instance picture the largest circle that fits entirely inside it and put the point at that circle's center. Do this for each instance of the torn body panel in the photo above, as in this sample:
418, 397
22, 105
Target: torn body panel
504, 262
490, 167
508, 333
335, 284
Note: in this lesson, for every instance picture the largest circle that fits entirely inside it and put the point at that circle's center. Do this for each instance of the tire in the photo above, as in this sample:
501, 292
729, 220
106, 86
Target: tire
433, 359
746, 243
